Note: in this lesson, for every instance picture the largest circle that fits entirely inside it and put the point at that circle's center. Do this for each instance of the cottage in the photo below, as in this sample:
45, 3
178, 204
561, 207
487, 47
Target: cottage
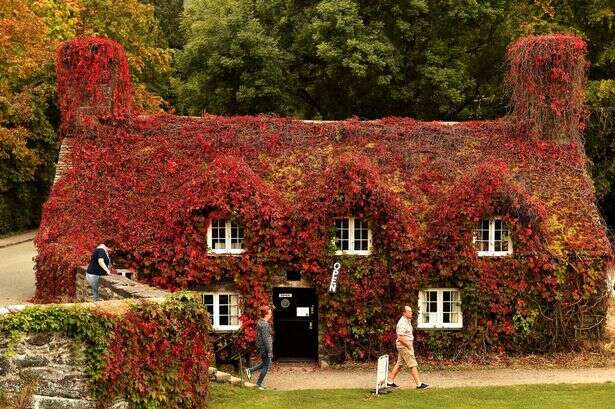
488, 228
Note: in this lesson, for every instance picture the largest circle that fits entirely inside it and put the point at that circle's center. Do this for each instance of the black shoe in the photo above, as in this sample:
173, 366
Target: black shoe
422, 386
392, 385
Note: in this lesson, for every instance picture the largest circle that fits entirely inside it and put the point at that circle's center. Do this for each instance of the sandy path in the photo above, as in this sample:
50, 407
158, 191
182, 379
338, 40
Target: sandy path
311, 378
16, 273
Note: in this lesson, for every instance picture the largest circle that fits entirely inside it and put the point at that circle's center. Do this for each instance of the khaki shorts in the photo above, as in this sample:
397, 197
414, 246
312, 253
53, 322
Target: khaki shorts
406, 357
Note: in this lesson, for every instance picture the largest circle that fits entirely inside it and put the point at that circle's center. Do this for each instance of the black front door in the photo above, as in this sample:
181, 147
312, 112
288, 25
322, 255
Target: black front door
295, 322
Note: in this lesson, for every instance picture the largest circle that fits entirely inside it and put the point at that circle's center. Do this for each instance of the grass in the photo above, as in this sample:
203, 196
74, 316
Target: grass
526, 396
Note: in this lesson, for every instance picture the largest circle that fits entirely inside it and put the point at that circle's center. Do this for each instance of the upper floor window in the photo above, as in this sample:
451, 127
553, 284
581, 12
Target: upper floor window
352, 236
492, 238
223, 310
440, 308
225, 237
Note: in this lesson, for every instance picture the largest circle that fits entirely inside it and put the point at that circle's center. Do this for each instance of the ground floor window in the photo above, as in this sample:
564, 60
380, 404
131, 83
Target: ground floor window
440, 308
223, 310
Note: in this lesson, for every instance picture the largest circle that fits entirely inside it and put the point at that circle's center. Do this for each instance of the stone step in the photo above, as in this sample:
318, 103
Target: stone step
46, 402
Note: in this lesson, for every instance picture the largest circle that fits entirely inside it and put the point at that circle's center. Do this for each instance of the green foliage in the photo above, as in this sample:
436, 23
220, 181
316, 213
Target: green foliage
168, 13
334, 59
230, 63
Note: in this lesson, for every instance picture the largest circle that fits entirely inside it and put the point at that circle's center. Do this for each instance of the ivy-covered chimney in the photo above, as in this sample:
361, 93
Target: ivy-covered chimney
547, 76
93, 83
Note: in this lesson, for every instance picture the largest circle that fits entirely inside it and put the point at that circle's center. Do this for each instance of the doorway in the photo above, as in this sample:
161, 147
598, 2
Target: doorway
295, 322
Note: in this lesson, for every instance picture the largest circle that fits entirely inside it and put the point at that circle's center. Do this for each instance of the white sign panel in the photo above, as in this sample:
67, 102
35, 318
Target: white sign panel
334, 275
285, 295
382, 372
303, 311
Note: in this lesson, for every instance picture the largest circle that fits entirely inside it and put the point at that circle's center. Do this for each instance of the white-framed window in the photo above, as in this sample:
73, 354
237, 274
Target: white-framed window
352, 236
492, 238
225, 237
223, 310
440, 308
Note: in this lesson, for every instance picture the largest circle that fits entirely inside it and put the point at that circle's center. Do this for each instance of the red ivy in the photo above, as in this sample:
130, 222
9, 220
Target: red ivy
155, 183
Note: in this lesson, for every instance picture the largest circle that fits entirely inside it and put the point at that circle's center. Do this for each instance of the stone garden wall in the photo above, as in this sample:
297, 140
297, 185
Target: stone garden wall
116, 287
43, 361
52, 366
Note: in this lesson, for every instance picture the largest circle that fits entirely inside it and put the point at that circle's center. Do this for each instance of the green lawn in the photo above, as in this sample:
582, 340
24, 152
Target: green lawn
593, 396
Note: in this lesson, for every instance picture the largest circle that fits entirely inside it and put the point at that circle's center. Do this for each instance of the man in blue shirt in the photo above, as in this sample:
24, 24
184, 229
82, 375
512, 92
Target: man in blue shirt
100, 265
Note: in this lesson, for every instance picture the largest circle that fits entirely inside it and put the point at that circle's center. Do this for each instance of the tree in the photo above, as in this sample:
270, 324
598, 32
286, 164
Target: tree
334, 59
168, 13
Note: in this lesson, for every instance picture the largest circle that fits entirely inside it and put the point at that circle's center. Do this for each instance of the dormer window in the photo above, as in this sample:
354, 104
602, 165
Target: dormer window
225, 237
492, 238
352, 236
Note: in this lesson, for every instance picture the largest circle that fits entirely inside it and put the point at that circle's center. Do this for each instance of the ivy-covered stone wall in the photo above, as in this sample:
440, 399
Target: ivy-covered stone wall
111, 354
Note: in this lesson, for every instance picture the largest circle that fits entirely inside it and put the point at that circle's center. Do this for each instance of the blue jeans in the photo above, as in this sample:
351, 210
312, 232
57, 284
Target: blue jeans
263, 366
94, 282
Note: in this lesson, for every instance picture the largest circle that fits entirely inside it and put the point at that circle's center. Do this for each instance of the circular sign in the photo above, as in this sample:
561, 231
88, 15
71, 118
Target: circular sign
285, 303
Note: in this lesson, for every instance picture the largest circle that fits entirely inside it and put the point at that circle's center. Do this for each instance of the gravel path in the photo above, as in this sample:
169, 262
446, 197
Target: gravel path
282, 378
17, 273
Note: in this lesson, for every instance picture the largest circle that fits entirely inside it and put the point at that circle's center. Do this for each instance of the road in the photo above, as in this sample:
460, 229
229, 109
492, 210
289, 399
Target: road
17, 273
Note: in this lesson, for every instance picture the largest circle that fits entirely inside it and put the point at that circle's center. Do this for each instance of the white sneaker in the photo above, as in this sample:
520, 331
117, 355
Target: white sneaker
262, 388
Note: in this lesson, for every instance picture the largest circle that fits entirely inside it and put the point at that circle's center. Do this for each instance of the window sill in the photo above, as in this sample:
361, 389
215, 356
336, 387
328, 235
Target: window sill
439, 327
225, 252
493, 254
226, 329
353, 253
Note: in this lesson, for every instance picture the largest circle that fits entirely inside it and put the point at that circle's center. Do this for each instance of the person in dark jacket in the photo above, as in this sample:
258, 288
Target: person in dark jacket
100, 265
264, 345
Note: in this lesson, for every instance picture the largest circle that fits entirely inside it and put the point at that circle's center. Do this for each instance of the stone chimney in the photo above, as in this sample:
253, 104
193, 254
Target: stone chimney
547, 76
93, 88
93, 83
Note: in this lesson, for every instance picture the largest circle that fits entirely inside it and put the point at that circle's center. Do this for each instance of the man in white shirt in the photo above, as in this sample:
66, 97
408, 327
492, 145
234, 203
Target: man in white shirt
405, 350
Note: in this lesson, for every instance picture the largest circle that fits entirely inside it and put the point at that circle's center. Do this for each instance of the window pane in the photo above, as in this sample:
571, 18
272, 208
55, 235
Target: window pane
430, 307
446, 307
208, 300
481, 236
360, 235
236, 236
224, 319
218, 234
501, 235
341, 234
224, 299
432, 297
451, 313
234, 314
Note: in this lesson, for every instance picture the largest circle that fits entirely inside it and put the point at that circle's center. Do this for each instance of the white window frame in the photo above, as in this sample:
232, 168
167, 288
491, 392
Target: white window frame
227, 239
439, 322
492, 252
216, 306
351, 242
